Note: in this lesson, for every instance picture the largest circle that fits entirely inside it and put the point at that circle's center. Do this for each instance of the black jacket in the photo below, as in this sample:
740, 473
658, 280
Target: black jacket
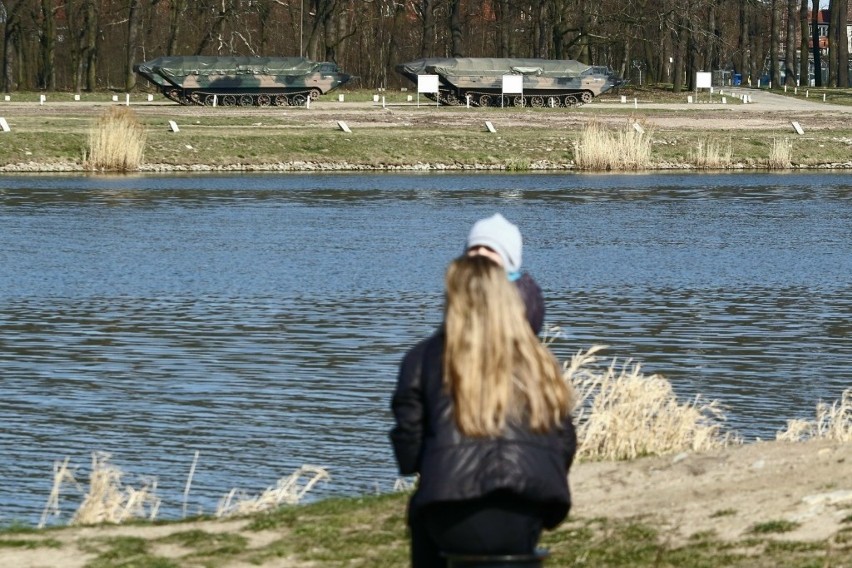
454, 467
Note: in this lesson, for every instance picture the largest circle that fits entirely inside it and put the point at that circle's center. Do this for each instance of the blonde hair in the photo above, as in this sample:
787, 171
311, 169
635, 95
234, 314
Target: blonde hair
495, 367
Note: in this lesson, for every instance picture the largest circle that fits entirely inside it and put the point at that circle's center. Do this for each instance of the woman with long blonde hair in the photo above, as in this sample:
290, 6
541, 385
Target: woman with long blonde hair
483, 416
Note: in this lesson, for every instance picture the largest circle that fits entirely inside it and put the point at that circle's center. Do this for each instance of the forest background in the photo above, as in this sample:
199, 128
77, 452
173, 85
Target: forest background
89, 45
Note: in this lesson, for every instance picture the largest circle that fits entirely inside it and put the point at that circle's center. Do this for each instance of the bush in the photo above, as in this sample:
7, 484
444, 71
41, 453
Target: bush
117, 141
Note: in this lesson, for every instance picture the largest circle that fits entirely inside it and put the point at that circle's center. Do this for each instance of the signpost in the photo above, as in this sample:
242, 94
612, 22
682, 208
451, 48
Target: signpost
428, 84
512, 85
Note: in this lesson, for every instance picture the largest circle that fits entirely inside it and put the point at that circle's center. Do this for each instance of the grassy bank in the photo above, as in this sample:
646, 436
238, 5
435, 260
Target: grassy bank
402, 135
371, 532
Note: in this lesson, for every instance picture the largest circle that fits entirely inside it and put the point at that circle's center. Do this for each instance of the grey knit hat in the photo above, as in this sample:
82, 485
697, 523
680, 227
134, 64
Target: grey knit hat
501, 236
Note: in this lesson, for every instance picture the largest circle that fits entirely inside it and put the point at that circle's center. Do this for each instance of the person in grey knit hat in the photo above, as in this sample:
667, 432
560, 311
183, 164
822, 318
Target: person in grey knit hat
500, 240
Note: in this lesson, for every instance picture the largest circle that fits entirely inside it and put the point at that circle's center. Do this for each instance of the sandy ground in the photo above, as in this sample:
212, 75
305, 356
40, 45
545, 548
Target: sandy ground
725, 491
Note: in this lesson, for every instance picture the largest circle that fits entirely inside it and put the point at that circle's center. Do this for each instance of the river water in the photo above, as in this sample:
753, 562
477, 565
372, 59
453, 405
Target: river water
259, 319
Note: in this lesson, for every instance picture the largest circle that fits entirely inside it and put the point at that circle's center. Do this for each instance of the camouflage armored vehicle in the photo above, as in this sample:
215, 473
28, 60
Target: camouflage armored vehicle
546, 82
239, 80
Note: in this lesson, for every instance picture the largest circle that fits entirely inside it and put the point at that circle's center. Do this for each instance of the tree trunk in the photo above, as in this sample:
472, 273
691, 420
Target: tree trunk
775, 44
817, 55
457, 48
48, 46
842, 44
804, 53
740, 60
833, 36
11, 31
427, 42
176, 12
680, 46
132, 40
91, 45
790, 45
504, 26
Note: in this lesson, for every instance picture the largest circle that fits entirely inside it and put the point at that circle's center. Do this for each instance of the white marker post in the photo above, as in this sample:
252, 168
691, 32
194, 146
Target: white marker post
798, 128
4, 126
127, 99
490, 127
150, 98
173, 126
344, 127
41, 99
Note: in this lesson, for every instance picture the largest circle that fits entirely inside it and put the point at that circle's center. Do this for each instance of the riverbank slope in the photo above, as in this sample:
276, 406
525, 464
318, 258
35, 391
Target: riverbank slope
758, 504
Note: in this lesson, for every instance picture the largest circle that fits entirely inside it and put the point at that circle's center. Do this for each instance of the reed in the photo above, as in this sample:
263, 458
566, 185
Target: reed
108, 500
288, 491
709, 155
62, 475
622, 414
116, 141
601, 149
832, 422
780, 154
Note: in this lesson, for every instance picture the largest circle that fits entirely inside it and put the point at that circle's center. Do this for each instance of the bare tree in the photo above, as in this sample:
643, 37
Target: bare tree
842, 44
817, 53
804, 53
790, 45
47, 46
833, 39
133, 16
775, 43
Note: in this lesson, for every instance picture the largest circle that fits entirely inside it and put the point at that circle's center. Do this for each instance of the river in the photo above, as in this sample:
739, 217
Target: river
259, 319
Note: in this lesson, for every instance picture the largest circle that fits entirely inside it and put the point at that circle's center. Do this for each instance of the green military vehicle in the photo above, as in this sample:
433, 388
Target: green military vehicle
546, 82
241, 80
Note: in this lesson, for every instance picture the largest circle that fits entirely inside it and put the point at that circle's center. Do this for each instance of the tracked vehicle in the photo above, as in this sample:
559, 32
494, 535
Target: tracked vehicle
546, 82
241, 80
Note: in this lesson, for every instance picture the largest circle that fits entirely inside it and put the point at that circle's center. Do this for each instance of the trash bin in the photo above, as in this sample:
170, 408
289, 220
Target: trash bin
738, 79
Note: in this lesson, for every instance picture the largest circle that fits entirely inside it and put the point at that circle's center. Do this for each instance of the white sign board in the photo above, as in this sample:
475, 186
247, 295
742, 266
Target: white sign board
703, 80
427, 83
513, 84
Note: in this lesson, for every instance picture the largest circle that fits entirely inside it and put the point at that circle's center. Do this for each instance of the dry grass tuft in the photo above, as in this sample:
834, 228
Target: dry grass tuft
117, 141
831, 423
106, 500
780, 154
61, 476
109, 501
289, 490
623, 414
601, 149
710, 156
